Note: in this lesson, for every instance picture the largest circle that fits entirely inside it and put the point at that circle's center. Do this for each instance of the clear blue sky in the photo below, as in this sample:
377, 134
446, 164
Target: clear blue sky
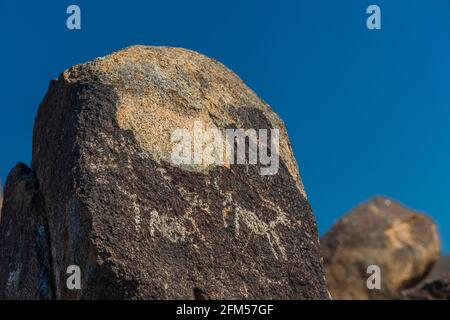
368, 112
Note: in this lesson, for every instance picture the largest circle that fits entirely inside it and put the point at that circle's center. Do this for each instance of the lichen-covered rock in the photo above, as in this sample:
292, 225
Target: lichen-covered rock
140, 226
25, 271
402, 243
437, 289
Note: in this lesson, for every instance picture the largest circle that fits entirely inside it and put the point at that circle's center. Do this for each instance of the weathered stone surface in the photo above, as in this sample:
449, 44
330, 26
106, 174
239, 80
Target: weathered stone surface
403, 243
24, 251
437, 289
141, 227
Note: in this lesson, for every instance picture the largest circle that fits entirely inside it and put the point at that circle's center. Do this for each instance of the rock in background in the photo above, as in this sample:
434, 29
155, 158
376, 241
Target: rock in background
440, 269
437, 289
436, 286
403, 243
140, 227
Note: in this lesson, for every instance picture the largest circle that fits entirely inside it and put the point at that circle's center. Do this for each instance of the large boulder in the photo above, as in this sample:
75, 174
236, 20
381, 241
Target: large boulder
380, 232
142, 225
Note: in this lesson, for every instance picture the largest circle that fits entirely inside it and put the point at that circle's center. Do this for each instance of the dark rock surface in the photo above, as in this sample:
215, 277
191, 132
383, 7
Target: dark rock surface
1, 196
25, 260
437, 289
382, 232
140, 227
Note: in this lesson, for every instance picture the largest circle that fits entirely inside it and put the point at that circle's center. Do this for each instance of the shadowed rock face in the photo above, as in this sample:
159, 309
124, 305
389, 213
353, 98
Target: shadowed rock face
403, 243
440, 269
25, 260
1, 197
437, 289
141, 227
436, 286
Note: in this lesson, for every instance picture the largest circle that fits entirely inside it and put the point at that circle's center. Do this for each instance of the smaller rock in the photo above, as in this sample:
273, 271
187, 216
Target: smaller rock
404, 244
438, 289
25, 249
1, 197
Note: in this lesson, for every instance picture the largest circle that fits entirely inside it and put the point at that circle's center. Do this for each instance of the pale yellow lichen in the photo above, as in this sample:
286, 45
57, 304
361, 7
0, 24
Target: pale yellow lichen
161, 89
